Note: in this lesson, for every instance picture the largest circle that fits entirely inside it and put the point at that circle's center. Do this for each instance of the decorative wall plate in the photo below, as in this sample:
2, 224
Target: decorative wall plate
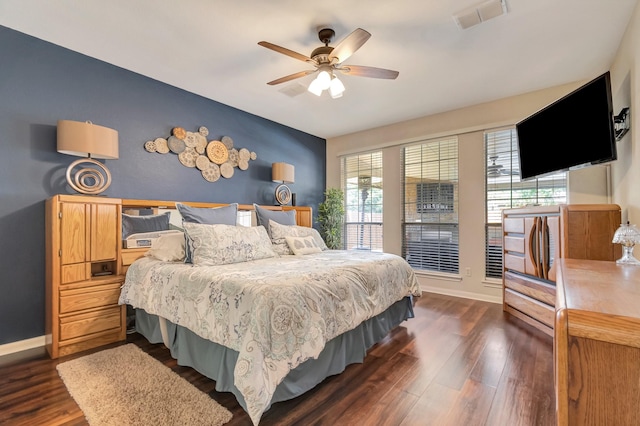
190, 140
211, 173
203, 131
244, 154
179, 132
161, 145
233, 157
150, 146
201, 143
176, 145
217, 152
188, 157
243, 164
253, 155
203, 162
226, 170
227, 141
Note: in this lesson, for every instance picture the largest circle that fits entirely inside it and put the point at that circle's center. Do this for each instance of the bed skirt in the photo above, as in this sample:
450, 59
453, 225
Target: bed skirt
217, 362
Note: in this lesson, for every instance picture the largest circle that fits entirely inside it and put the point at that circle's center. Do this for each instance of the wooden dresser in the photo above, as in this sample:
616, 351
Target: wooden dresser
83, 240
597, 343
535, 237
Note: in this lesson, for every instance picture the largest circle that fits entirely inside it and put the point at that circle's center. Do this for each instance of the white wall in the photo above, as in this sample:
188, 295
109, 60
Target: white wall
587, 185
625, 82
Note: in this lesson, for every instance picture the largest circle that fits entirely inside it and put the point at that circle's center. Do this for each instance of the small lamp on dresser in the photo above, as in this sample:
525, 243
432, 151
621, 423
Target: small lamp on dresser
283, 173
88, 140
627, 235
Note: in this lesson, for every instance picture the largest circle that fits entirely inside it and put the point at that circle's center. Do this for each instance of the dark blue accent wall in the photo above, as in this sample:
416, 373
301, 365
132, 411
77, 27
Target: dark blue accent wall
41, 83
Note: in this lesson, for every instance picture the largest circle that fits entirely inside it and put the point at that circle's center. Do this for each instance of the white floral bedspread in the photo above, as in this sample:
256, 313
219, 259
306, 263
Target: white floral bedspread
276, 313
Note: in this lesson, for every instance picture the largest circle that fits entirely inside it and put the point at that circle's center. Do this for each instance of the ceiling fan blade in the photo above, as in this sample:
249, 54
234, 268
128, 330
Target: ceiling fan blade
291, 77
349, 45
286, 51
362, 71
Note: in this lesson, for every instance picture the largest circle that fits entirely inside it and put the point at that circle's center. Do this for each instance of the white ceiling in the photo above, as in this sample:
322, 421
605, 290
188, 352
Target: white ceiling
210, 48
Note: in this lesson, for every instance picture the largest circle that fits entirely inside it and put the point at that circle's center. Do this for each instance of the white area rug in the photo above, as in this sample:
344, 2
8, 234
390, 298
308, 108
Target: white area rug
125, 386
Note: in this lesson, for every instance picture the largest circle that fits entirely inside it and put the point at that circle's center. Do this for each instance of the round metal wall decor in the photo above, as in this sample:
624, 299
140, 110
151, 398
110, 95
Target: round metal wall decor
214, 158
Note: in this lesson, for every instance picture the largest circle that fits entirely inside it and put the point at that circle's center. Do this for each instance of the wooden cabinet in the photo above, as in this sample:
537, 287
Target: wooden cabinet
534, 238
83, 273
597, 343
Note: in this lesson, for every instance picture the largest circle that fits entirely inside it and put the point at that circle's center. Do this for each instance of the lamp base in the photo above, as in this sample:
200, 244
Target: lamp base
627, 257
91, 180
283, 194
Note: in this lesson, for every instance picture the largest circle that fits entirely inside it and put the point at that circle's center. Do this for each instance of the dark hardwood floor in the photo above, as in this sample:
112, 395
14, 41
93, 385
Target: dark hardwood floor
458, 362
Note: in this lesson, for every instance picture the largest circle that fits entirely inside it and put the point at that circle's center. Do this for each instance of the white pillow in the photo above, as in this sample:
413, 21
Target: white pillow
223, 244
279, 232
303, 245
168, 247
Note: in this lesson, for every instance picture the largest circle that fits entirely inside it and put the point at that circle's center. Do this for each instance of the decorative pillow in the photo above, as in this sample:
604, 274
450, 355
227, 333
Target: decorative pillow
168, 247
224, 244
226, 215
280, 232
139, 224
263, 216
303, 245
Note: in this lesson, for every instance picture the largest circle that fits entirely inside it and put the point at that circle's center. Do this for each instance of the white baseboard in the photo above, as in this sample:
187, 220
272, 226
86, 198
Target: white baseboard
22, 345
463, 294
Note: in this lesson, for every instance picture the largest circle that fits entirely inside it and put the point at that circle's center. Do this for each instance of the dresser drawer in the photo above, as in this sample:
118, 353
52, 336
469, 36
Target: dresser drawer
92, 322
514, 244
533, 288
514, 263
87, 298
533, 308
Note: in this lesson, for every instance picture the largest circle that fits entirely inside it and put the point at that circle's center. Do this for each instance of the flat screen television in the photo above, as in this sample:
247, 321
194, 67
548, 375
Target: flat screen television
574, 131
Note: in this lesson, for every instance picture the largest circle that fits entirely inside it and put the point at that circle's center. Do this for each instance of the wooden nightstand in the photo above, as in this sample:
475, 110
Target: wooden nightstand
83, 273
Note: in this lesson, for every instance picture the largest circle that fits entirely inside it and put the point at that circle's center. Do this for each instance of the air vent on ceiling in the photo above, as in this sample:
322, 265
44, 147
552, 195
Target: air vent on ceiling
479, 13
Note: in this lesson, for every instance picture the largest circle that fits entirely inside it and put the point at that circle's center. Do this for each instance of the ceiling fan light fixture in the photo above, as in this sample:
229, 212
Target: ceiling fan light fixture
336, 88
315, 88
324, 79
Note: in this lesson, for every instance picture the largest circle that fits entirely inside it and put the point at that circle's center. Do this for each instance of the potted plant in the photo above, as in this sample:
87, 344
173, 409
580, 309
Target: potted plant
331, 218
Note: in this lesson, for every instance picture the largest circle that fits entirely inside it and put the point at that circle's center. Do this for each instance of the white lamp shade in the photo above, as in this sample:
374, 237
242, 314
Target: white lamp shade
315, 88
282, 172
85, 138
324, 78
336, 88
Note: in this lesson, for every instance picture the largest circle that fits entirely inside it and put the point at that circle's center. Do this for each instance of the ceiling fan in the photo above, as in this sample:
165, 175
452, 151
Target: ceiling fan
327, 59
496, 170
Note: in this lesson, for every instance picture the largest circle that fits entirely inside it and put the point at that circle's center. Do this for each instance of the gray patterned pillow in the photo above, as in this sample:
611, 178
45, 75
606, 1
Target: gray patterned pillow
224, 244
280, 232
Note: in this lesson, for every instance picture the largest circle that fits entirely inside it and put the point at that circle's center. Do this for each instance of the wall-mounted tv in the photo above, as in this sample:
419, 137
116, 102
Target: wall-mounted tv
574, 131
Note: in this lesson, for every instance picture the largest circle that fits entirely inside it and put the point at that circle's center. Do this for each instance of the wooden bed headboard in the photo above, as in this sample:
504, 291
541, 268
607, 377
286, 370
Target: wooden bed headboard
304, 217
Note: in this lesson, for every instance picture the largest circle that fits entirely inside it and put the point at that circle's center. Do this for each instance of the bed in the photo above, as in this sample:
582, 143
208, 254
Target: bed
267, 327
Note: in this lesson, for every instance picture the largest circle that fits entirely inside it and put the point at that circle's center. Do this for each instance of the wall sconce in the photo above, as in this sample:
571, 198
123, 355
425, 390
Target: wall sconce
628, 236
93, 141
284, 173
621, 123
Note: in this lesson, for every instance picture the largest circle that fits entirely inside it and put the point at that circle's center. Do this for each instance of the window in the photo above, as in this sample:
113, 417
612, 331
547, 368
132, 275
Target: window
430, 200
505, 190
362, 185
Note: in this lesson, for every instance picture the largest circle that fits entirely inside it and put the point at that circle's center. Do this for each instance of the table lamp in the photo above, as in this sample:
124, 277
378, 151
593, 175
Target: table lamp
85, 139
628, 236
283, 173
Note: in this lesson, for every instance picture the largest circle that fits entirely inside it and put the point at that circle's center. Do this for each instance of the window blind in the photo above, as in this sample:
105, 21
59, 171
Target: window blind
430, 205
361, 177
